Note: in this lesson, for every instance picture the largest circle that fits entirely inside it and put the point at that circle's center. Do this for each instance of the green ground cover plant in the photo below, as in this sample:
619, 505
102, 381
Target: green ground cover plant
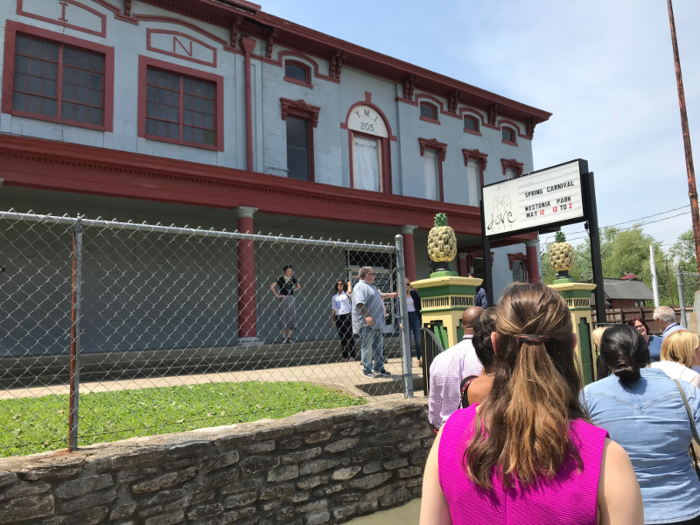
30, 425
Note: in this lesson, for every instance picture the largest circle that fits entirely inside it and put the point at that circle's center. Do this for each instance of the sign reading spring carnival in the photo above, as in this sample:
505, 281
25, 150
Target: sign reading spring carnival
541, 198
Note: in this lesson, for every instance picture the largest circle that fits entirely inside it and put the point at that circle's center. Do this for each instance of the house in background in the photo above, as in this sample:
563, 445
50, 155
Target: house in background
627, 292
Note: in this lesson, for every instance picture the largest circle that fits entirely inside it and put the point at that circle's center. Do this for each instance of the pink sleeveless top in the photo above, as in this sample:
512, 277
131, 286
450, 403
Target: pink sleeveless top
568, 499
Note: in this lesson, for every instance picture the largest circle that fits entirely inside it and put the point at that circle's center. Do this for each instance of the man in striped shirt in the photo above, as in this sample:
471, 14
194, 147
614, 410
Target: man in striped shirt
449, 368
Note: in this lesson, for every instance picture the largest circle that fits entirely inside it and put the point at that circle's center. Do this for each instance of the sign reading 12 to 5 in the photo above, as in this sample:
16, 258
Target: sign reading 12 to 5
545, 197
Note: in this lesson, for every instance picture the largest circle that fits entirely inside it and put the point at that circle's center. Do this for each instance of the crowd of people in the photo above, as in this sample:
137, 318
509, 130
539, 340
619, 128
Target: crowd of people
519, 441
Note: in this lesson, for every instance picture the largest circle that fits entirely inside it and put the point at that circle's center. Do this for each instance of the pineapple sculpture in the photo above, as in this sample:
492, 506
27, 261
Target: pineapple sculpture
561, 256
442, 243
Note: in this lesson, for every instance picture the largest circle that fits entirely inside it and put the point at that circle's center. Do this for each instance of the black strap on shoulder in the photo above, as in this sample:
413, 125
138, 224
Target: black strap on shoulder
687, 408
464, 386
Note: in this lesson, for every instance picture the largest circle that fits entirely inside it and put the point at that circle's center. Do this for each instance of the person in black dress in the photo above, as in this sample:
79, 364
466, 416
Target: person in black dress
287, 285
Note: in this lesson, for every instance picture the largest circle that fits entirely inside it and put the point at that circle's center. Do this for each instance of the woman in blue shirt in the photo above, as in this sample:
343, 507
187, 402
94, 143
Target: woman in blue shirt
642, 410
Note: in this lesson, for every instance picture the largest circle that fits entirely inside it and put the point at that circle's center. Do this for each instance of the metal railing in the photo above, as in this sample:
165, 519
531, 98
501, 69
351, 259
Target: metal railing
117, 329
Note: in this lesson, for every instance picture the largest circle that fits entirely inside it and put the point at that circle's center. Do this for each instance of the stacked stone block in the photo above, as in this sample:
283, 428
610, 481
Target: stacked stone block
325, 466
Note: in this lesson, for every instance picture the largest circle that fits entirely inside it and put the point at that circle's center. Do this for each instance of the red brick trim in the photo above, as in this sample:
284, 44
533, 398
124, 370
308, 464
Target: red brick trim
172, 53
63, 22
513, 164
11, 30
299, 108
144, 64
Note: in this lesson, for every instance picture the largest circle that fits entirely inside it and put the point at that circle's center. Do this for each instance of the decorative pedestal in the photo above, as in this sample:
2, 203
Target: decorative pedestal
444, 298
578, 299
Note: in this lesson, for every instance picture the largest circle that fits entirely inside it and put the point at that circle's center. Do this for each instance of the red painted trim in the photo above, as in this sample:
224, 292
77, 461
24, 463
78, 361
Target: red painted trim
409, 256
61, 166
150, 32
318, 44
510, 124
247, 323
437, 102
431, 120
11, 30
248, 44
305, 67
314, 65
476, 122
512, 257
64, 23
513, 164
504, 141
441, 150
472, 132
514, 133
476, 155
299, 108
533, 269
146, 62
344, 125
440, 147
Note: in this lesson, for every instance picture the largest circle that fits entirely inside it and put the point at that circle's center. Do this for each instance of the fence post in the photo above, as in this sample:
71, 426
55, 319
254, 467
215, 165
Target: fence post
654, 278
405, 328
681, 297
77, 282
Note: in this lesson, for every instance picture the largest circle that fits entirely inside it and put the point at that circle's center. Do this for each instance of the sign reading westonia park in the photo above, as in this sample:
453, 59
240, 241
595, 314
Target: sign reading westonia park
550, 196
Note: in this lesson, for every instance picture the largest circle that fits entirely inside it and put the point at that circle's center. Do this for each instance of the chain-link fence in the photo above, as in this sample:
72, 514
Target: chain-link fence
117, 329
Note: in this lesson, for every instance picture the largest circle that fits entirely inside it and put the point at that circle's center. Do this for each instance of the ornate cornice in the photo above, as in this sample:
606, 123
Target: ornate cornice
409, 86
440, 147
514, 165
336, 63
477, 155
493, 112
271, 35
299, 108
530, 126
453, 101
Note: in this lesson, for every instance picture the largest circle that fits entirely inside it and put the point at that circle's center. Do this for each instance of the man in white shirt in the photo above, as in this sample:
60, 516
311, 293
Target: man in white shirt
665, 316
449, 368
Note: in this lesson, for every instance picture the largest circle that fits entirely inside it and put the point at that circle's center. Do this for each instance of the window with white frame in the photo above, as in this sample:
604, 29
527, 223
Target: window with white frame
366, 162
473, 181
431, 174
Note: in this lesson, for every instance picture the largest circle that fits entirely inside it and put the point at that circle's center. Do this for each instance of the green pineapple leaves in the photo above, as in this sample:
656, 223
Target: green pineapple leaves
440, 220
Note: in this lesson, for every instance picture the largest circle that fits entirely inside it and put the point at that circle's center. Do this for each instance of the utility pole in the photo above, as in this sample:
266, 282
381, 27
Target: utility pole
692, 190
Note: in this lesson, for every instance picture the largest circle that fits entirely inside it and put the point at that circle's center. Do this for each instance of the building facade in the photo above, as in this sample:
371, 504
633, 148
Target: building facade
221, 115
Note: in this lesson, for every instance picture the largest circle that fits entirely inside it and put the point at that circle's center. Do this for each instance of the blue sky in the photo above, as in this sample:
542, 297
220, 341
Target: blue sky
603, 68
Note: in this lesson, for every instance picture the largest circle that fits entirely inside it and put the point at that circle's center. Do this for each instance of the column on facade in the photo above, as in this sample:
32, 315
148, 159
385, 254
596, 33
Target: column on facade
247, 323
533, 270
409, 252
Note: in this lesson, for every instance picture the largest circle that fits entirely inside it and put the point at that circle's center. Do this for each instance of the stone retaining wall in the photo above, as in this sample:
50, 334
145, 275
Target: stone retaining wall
324, 466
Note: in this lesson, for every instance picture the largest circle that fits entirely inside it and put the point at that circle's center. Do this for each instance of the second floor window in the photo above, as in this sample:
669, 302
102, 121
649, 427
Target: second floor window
180, 108
58, 81
431, 173
298, 149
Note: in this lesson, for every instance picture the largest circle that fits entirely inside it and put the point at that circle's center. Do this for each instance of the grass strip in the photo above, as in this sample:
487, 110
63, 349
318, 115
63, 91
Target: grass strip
32, 425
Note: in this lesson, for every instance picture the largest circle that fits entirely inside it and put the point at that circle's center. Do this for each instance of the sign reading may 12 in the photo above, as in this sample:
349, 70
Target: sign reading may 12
549, 196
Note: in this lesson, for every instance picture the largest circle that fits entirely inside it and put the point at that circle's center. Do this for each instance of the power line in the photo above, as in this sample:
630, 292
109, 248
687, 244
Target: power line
631, 227
640, 219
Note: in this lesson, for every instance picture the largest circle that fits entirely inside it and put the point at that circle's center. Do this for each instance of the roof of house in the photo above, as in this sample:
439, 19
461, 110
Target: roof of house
625, 289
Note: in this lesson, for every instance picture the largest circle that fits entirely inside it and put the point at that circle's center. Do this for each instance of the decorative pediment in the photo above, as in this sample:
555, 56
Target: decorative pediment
180, 45
476, 155
512, 257
512, 164
440, 147
299, 108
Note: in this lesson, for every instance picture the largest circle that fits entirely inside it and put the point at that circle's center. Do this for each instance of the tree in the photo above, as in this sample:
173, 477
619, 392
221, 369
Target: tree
683, 251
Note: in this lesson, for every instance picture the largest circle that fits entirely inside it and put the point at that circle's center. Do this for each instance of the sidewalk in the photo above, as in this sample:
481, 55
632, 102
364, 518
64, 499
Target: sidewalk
346, 377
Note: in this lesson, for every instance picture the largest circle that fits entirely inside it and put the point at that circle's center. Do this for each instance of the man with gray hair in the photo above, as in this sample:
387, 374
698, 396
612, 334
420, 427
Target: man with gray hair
368, 320
666, 317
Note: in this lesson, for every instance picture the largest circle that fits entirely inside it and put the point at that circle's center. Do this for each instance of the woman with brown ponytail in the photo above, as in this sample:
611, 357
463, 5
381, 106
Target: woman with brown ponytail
528, 455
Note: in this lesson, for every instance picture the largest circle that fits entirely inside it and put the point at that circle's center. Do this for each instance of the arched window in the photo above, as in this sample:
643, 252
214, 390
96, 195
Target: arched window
471, 123
297, 73
370, 154
428, 111
509, 135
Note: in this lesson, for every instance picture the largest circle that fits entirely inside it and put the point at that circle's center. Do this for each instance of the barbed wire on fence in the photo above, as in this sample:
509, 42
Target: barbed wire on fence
172, 328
